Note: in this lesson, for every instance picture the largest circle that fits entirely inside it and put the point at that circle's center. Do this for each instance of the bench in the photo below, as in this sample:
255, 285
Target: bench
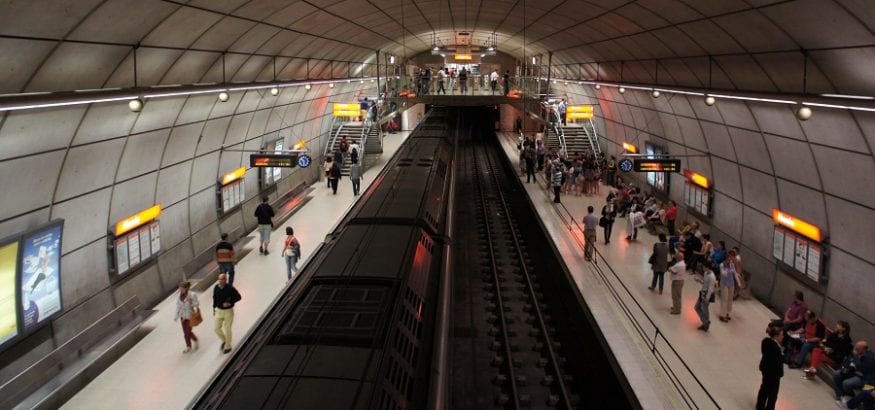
58, 376
286, 205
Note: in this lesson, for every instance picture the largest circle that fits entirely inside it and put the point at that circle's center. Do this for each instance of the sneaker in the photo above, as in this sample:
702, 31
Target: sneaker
222, 347
650, 288
266, 252
226, 351
187, 349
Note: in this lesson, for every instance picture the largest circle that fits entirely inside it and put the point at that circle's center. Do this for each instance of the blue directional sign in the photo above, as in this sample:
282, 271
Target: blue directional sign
304, 161
626, 165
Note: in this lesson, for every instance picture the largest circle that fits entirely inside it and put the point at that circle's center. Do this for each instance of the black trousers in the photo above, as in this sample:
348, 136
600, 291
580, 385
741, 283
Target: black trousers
556, 190
768, 394
609, 227
333, 182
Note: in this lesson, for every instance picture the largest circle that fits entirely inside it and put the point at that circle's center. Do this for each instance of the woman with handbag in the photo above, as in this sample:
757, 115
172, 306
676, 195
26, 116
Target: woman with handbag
291, 252
659, 262
727, 287
706, 296
609, 214
188, 312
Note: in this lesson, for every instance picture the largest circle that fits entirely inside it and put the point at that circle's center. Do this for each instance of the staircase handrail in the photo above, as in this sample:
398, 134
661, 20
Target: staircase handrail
593, 139
332, 138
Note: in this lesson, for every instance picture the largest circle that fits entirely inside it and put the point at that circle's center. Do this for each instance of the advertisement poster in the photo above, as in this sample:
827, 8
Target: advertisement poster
134, 249
40, 276
789, 248
8, 302
156, 237
801, 254
226, 198
814, 262
121, 255
778, 247
145, 243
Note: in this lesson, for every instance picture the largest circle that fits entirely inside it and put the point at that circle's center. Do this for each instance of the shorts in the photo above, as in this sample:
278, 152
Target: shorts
264, 232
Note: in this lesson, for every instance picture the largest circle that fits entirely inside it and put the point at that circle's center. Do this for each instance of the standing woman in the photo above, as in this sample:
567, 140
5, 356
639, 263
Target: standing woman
609, 212
772, 368
186, 304
727, 286
291, 252
659, 262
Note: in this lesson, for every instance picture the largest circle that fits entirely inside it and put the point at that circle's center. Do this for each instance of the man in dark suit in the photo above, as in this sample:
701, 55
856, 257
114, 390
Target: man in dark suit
771, 366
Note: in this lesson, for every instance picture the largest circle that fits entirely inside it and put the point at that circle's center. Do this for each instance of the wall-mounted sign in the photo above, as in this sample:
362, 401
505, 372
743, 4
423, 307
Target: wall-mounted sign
797, 225
625, 165
798, 253
138, 243
346, 109
135, 221
273, 160
696, 178
304, 161
230, 190
657, 165
697, 193
233, 176
579, 112
462, 56
630, 148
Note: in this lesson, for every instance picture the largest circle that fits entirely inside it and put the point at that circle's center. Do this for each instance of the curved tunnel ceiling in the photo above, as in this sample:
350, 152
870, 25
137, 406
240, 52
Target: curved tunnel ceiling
728, 44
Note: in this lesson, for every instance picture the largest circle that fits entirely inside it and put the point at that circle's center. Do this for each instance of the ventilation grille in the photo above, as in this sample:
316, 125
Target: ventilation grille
404, 353
347, 314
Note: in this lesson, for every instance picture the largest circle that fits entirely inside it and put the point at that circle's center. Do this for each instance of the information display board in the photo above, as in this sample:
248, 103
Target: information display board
40, 276
697, 199
8, 295
273, 160
232, 195
136, 247
798, 253
657, 165
579, 112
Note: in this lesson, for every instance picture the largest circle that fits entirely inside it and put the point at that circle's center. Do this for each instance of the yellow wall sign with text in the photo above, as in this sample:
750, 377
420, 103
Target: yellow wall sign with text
579, 112
346, 109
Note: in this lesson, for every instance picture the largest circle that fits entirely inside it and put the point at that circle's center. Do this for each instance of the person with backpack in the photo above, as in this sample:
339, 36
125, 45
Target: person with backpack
291, 252
354, 153
334, 176
344, 148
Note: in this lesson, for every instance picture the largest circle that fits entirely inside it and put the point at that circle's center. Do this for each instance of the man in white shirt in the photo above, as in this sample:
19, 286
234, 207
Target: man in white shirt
442, 77
493, 80
677, 282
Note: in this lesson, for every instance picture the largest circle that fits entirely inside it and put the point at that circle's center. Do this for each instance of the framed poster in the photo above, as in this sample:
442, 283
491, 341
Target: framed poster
814, 258
687, 194
155, 236
121, 255
778, 245
145, 243
134, 248
789, 248
40, 276
8, 295
226, 198
801, 254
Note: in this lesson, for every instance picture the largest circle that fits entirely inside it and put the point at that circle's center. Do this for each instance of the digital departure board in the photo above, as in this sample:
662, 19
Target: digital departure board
657, 165
273, 160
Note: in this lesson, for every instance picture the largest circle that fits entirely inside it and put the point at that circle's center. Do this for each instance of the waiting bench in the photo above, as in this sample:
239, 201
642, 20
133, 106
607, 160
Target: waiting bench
54, 379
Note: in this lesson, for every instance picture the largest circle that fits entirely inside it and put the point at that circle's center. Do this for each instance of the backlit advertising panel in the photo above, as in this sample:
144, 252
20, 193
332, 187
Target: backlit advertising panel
8, 297
40, 276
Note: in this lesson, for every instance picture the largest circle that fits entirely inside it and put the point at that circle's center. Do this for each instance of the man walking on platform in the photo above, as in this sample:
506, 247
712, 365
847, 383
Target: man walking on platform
225, 257
264, 213
493, 80
590, 223
355, 175
224, 298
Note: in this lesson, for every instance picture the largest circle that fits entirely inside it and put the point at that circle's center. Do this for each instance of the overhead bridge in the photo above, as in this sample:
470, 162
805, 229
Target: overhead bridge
465, 100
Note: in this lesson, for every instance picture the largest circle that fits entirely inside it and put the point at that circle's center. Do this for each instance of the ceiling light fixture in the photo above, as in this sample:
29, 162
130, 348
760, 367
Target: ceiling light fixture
136, 105
803, 113
274, 91
622, 90
852, 97
598, 86
710, 101
307, 86
655, 93
223, 96
330, 85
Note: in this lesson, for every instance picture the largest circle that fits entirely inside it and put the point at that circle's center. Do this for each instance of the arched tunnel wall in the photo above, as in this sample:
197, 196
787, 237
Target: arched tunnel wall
95, 165
760, 156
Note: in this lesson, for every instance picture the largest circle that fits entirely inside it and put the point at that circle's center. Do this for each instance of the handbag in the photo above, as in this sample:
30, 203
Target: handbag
652, 258
603, 222
712, 299
196, 318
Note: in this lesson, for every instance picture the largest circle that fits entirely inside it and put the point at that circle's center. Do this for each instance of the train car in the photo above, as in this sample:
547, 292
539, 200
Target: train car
356, 328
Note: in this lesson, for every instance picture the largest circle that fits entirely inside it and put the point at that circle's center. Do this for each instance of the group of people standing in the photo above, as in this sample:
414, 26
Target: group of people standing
333, 165
444, 79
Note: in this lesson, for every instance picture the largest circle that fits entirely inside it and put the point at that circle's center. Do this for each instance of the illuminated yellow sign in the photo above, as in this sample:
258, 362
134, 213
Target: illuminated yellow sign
462, 56
300, 144
696, 178
629, 147
579, 112
132, 222
797, 225
233, 175
347, 109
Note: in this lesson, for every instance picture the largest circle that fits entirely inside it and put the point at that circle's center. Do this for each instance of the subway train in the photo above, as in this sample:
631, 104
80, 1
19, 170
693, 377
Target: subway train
356, 329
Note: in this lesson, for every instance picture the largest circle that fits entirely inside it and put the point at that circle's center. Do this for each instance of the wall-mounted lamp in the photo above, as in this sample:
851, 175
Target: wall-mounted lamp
598, 86
223, 96
655, 93
308, 86
709, 100
330, 85
803, 113
136, 105
274, 91
622, 90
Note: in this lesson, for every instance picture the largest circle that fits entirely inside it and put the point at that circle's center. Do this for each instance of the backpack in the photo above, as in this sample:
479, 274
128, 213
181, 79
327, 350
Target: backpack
335, 171
354, 155
344, 146
296, 249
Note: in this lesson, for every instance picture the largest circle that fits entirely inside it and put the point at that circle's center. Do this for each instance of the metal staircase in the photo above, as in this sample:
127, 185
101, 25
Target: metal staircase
366, 134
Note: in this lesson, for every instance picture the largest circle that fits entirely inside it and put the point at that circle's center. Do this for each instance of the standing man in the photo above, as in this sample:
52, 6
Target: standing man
224, 298
556, 180
590, 223
463, 81
493, 80
225, 258
264, 213
355, 175
442, 76
677, 282
506, 79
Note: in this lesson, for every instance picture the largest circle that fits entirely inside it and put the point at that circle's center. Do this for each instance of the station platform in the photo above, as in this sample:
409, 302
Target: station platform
156, 374
725, 359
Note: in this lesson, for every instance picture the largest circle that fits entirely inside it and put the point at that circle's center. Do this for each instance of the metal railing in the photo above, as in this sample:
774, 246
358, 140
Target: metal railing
661, 348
